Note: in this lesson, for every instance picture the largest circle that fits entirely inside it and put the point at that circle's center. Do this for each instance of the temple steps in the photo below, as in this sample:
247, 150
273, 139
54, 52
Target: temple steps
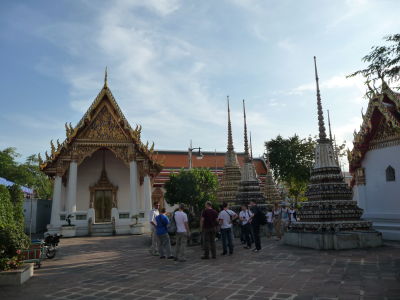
102, 229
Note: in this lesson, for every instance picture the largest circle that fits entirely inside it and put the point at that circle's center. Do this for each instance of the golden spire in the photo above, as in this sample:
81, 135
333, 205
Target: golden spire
105, 79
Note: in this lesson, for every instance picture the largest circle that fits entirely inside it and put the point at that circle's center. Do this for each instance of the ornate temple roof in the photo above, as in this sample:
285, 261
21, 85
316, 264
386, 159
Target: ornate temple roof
103, 125
380, 126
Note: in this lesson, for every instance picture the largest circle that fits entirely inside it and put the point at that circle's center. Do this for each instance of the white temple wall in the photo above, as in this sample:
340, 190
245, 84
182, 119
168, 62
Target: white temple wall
379, 198
89, 172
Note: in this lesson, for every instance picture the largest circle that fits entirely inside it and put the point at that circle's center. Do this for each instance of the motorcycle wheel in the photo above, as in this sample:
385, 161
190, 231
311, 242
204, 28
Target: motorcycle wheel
50, 252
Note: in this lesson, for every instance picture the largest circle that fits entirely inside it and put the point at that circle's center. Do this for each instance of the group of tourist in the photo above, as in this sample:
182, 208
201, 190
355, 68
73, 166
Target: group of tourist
160, 241
250, 218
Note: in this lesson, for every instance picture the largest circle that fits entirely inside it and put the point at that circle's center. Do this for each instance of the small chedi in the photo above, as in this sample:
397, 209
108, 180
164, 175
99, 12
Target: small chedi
271, 193
330, 219
249, 187
231, 177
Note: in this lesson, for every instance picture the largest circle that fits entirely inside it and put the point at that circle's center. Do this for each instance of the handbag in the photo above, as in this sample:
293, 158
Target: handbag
171, 227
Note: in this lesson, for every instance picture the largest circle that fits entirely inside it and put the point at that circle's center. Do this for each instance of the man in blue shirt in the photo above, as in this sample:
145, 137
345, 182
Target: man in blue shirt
164, 245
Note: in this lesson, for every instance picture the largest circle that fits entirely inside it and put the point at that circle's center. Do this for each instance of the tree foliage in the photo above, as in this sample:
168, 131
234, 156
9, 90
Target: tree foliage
291, 160
192, 187
17, 199
26, 174
383, 61
12, 236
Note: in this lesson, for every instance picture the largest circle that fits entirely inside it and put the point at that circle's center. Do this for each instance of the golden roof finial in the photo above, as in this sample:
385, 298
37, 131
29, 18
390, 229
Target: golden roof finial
105, 78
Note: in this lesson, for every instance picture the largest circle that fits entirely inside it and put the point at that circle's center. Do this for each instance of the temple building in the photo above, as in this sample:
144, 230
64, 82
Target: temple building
102, 173
375, 164
249, 187
228, 186
330, 219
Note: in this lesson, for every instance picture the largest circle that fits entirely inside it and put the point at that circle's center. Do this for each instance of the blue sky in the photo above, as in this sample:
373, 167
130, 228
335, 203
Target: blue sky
172, 64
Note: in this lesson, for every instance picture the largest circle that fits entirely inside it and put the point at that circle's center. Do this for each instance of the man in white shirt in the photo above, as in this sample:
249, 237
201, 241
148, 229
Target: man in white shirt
245, 216
153, 224
182, 232
225, 217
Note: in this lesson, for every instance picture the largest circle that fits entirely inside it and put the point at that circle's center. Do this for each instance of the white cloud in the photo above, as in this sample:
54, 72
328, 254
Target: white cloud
335, 82
158, 78
286, 44
352, 8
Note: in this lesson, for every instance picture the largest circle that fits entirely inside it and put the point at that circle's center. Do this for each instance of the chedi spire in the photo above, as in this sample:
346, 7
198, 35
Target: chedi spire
321, 124
246, 143
230, 139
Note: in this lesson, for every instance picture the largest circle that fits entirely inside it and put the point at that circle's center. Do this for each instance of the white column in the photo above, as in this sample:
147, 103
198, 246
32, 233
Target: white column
56, 204
133, 180
72, 181
147, 194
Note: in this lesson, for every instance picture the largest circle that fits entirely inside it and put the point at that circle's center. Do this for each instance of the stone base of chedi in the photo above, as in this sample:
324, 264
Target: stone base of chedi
330, 219
334, 241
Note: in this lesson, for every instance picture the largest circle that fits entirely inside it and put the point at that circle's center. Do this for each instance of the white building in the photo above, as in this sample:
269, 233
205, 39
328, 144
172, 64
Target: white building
102, 173
375, 162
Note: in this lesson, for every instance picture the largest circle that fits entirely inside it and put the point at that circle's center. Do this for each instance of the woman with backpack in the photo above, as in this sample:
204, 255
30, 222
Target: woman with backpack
164, 245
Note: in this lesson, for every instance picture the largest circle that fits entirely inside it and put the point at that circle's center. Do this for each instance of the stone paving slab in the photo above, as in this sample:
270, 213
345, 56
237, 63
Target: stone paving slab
121, 268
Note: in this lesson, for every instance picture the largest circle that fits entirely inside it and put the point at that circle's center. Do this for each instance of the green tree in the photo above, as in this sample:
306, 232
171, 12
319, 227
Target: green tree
26, 174
383, 61
12, 236
6, 207
291, 160
17, 199
192, 187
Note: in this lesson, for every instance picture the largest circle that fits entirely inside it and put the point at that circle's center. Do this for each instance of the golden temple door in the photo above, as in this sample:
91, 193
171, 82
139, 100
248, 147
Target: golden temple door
102, 206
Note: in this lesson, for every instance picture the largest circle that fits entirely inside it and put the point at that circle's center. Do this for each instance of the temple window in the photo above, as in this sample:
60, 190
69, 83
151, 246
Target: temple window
390, 174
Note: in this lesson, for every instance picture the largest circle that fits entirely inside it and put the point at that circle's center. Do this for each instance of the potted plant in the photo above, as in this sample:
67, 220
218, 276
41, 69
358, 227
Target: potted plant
68, 230
135, 226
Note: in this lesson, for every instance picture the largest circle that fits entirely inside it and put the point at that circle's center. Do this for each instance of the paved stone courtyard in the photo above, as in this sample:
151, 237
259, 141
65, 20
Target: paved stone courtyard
121, 268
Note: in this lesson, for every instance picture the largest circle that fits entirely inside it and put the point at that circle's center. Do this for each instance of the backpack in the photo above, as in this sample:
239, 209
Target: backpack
262, 218
171, 227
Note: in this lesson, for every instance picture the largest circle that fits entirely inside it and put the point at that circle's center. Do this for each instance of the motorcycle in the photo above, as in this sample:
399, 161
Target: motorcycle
50, 245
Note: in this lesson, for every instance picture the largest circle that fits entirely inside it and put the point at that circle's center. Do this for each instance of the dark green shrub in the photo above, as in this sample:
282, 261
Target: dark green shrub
12, 236
17, 199
6, 207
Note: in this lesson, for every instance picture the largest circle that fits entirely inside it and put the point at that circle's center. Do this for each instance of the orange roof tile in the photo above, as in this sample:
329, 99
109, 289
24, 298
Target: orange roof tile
215, 161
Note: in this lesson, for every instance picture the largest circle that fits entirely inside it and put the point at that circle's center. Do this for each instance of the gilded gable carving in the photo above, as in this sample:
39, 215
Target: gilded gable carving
104, 127
385, 135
